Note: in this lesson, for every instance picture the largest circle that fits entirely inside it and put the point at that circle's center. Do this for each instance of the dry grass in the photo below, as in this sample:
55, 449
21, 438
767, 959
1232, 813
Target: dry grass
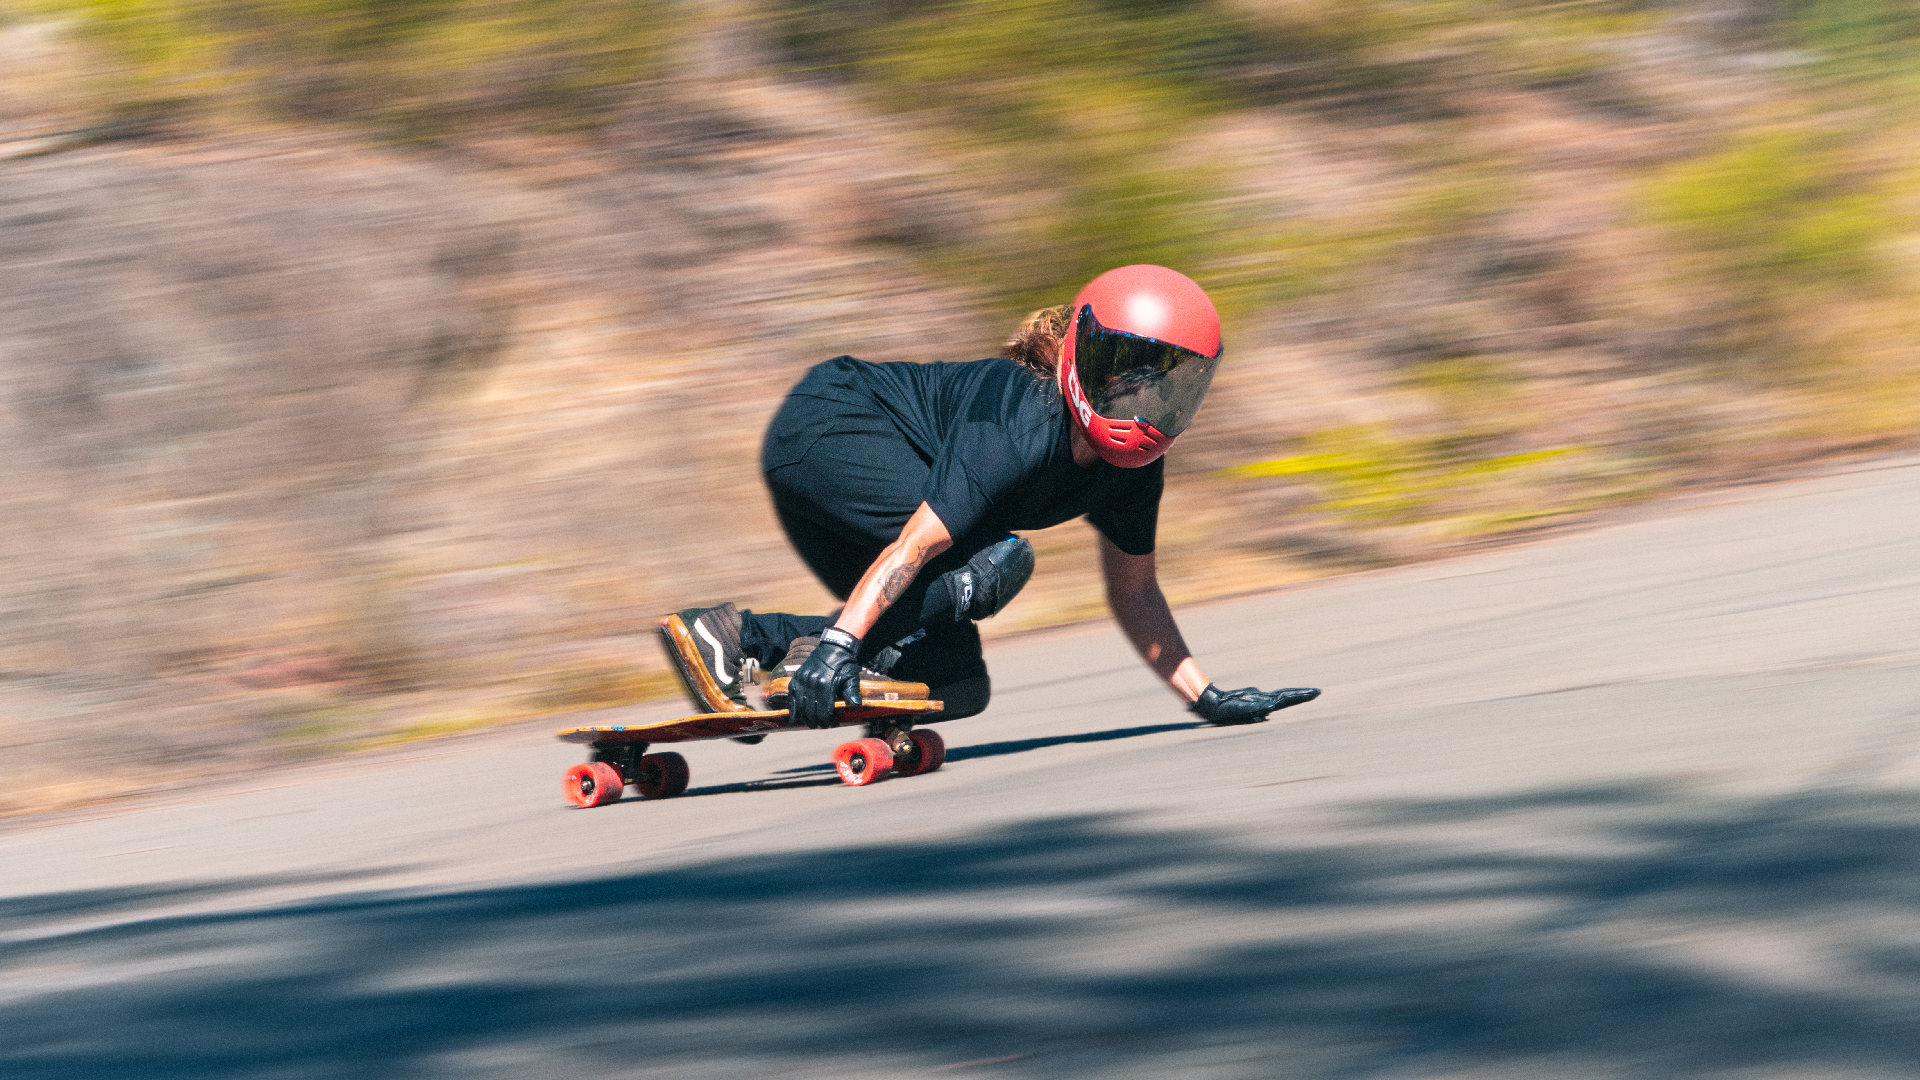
421, 401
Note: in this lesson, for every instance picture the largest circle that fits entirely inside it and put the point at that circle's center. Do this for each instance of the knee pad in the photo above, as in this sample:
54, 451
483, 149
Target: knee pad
990, 580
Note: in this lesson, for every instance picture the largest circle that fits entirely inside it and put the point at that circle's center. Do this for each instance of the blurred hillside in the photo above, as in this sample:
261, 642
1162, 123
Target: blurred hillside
381, 370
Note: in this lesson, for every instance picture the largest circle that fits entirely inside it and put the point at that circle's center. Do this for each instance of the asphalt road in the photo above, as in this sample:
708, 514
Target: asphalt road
1638, 802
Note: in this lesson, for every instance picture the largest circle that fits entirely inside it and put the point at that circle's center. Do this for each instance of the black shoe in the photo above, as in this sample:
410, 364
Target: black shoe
703, 644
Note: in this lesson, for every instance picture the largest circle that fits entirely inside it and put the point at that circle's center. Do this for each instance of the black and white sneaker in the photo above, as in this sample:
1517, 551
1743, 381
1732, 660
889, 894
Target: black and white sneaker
703, 644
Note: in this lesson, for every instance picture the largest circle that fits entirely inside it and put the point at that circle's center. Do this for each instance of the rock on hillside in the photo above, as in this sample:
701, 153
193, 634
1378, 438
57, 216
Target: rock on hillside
311, 446
216, 367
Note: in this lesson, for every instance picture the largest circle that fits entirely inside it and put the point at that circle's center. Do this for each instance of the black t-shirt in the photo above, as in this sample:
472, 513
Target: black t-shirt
997, 444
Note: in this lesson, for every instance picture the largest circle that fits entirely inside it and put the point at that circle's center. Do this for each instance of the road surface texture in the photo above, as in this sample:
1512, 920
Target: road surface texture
1638, 802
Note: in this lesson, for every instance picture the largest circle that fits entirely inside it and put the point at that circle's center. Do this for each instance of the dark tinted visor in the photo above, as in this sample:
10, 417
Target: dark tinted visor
1128, 377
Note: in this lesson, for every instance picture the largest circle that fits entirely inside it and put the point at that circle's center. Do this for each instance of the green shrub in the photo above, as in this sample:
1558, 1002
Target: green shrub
415, 69
1777, 226
1772, 204
1371, 475
1084, 103
1857, 39
1077, 98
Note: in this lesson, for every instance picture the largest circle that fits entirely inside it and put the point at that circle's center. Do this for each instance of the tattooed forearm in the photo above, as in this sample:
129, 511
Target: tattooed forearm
892, 574
896, 584
902, 575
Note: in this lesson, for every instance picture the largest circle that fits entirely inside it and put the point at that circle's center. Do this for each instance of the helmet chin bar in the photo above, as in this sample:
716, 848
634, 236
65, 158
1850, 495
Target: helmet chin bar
1128, 444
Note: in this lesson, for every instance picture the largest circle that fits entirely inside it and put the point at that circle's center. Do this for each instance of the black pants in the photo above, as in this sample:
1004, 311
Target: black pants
844, 482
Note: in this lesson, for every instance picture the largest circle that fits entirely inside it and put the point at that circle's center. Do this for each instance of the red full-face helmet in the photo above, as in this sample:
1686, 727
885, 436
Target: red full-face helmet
1139, 355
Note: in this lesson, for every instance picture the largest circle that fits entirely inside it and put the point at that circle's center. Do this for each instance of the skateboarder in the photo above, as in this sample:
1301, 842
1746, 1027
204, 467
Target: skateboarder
900, 485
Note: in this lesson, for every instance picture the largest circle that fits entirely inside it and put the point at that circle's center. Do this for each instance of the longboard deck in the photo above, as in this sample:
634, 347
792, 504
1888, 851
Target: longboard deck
727, 725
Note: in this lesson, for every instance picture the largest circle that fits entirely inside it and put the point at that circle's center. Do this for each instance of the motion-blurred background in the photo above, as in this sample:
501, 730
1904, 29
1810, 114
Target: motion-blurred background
380, 368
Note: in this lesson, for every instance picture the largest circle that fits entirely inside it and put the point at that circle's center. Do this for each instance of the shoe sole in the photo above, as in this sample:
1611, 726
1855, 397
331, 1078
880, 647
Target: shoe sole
676, 640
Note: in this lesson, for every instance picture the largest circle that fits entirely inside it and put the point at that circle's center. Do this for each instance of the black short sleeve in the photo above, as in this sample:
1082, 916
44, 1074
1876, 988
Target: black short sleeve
975, 470
1129, 516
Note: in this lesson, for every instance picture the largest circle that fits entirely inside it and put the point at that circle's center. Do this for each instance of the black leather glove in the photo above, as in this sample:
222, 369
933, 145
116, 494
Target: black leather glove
831, 673
1246, 705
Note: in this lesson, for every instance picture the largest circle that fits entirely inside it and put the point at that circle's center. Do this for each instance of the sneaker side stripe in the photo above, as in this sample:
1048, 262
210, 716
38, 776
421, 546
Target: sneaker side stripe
719, 654
683, 653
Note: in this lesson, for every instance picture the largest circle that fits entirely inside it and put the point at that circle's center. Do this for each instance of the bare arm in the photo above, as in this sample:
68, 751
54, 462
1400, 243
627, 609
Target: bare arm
924, 537
1133, 592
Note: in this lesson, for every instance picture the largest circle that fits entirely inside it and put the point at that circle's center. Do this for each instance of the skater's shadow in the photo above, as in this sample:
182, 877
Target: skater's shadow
770, 785
983, 750
1021, 746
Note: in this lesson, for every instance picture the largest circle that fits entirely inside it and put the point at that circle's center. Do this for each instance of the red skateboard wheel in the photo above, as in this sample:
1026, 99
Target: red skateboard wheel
593, 783
863, 761
661, 776
930, 753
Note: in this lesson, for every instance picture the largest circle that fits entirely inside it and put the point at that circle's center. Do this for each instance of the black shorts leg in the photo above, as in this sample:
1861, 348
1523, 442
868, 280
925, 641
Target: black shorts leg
844, 483
845, 496
766, 635
949, 661
857, 479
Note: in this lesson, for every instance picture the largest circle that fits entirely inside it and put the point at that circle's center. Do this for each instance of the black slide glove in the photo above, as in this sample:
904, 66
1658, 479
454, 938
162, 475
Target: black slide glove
831, 673
1247, 705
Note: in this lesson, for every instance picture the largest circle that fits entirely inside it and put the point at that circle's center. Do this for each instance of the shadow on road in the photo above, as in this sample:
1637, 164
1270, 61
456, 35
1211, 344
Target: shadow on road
1021, 746
770, 785
996, 749
1657, 934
